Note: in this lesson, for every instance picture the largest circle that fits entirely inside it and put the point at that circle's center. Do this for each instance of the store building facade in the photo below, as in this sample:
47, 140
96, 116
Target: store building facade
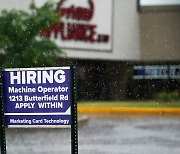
107, 39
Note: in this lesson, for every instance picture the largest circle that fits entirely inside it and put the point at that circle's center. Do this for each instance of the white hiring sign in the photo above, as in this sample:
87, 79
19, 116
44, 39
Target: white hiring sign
85, 25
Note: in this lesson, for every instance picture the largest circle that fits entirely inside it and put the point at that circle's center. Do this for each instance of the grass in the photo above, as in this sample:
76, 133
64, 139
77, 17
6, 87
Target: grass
131, 104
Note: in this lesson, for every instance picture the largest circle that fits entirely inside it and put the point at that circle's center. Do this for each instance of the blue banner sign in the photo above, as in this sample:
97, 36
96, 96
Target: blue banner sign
157, 72
37, 97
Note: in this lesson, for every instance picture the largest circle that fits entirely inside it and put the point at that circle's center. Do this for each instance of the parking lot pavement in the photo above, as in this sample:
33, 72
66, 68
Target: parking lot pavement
103, 135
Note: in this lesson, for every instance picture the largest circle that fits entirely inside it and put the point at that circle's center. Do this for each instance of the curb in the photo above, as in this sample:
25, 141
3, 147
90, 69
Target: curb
121, 110
83, 120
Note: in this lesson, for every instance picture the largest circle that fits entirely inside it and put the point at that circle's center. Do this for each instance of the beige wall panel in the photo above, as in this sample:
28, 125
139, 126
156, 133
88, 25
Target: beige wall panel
160, 35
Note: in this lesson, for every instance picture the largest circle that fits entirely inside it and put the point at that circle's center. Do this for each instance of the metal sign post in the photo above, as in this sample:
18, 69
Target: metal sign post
39, 97
2, 122
74, 124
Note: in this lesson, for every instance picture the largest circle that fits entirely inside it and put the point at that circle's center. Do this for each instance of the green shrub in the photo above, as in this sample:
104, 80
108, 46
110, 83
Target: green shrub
167, 96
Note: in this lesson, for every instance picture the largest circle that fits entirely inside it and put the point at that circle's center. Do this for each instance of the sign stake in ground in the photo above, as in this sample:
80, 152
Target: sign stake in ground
40, 97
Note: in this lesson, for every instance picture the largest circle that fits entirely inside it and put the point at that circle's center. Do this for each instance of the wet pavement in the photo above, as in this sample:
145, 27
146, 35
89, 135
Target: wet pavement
103, 135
